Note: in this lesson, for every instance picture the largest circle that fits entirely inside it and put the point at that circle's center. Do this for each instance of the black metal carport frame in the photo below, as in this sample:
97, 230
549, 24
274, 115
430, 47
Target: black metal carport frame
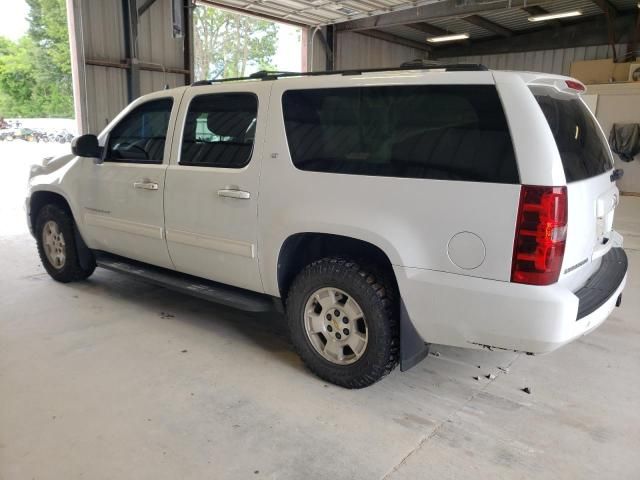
611, 27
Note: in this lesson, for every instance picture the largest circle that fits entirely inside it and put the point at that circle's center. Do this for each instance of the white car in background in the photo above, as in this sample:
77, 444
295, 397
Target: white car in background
382, 210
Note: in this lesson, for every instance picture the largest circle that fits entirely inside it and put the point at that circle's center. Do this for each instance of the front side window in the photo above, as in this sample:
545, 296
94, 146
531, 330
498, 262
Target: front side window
220, 130
582, 147
449, 132
140, 137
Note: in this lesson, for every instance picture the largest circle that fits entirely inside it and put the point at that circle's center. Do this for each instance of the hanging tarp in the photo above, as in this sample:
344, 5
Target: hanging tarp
624, 140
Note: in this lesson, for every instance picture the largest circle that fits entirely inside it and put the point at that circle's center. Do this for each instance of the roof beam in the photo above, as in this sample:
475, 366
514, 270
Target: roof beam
444, 8
482, 22
388, 37
145, 6
427, 28
535, 10
251, 13
587, 32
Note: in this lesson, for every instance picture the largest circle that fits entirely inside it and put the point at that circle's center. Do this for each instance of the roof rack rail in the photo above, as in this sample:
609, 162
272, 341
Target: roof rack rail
274, 75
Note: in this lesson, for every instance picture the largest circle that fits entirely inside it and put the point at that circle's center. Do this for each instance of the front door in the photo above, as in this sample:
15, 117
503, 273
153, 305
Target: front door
211, 196
122, 197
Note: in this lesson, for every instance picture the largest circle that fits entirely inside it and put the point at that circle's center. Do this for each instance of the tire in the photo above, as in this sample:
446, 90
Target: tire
315, 337
62, 262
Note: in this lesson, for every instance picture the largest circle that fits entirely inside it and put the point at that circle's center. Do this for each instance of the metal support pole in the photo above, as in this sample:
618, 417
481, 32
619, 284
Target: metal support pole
634, 40
331, 43
78, 71
145, 6
611, 31
188, 41
130, 28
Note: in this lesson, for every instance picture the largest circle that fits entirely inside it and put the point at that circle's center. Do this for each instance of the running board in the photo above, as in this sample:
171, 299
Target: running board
189, 284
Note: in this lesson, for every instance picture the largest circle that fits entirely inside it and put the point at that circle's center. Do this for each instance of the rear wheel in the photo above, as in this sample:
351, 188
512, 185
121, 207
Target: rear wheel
343, 323
57, 246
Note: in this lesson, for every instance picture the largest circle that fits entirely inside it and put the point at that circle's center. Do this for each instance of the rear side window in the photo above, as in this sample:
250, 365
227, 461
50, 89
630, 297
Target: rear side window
449, 132
583, 148
220, 130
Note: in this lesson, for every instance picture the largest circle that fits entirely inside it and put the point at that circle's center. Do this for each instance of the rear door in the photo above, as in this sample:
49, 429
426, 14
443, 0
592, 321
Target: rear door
587, 164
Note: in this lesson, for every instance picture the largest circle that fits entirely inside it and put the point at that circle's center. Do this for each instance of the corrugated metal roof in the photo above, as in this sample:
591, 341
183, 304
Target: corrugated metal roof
512, 18
623, 5
457, 25
587, 7
322, 12
405, 32
550, 61
517, 19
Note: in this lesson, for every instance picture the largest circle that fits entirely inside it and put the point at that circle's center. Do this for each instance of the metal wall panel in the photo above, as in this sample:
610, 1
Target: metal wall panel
97, 34
359, 51
106, 95
101, 23
154, 81
549, 61
155, 42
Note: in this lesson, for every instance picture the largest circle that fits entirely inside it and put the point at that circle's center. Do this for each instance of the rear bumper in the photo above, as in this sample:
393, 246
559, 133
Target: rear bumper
473, 312
603, 284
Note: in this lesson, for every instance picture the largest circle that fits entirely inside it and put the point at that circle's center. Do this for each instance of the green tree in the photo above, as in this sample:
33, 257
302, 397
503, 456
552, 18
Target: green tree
48, 30
231, 45
17, 77
35, 71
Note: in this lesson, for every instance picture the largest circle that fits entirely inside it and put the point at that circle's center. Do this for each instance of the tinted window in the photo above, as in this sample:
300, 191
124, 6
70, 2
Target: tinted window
219, 130
442, 132
140, 136
582, 146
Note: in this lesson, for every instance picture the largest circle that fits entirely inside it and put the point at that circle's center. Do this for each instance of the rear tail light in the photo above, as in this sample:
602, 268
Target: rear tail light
541, 232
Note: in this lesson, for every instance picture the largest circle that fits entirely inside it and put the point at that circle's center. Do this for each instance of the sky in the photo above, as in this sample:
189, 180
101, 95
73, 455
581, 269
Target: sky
13, 23
288, 56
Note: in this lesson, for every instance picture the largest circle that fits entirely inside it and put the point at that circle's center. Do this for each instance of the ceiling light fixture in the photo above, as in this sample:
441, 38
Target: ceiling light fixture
553, 16
448, 38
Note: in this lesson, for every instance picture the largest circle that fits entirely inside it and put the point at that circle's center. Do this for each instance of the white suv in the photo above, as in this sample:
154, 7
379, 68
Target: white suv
384, 210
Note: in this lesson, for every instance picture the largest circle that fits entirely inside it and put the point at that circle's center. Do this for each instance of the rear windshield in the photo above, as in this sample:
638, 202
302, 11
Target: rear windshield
583, 148
449, 132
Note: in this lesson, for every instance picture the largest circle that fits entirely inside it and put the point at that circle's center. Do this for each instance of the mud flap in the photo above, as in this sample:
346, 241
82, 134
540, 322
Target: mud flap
85, 256
412, 348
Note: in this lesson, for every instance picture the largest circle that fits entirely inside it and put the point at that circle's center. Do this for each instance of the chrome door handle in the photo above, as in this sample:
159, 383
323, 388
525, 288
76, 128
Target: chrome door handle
146, 185
231, 193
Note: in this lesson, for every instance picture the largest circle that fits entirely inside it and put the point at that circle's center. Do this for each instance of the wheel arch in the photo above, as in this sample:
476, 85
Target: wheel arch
301, 249
40, 198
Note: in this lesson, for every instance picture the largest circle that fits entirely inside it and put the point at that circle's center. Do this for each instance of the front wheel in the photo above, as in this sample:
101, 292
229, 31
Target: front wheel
57, 246
343, 323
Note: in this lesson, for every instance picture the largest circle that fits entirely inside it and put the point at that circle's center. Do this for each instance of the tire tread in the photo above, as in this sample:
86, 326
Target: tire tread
72, 270
379, 293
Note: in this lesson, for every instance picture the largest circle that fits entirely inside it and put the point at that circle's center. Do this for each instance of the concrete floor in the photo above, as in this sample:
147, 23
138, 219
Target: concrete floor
112, 378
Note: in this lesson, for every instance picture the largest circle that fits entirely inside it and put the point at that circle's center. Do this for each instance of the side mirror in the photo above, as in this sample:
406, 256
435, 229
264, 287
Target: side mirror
86, 146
